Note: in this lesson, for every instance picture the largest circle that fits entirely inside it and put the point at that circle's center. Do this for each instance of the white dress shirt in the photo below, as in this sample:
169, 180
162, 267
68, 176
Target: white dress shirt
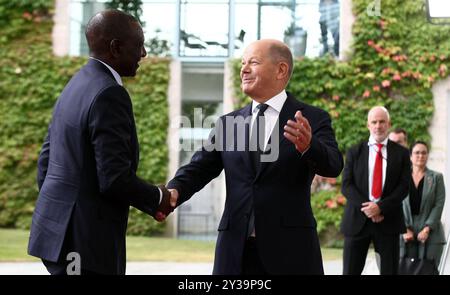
373, 149
270, 115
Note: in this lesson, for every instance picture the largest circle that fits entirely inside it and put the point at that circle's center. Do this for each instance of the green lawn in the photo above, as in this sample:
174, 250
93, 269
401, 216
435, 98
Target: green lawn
13, 247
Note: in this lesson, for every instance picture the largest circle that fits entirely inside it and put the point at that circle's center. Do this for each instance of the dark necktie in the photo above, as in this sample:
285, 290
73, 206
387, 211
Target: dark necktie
257, 137
377, 183
257, 140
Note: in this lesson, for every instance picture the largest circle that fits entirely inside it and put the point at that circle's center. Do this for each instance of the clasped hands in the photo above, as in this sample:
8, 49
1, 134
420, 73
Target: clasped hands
372, 211
168, 203
421, 237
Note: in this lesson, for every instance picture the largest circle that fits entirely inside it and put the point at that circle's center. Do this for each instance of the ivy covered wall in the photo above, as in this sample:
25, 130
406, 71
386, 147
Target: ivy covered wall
31, 79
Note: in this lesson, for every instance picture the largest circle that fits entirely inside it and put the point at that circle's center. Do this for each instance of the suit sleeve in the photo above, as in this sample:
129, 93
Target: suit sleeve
393, 201
407, 213
435, 215
111, 128
205, 165
43, 159
323, 155
349, 189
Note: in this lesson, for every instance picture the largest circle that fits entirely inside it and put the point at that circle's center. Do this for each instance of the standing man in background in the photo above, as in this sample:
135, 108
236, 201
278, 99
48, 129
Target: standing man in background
399, 136
375, 182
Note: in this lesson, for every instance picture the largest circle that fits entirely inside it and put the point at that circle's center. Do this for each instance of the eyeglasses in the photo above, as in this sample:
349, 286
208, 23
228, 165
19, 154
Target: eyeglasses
424, 153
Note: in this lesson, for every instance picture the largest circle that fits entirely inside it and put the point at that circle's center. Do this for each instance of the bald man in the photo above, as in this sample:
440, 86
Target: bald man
270, 151
87, 166
375, 182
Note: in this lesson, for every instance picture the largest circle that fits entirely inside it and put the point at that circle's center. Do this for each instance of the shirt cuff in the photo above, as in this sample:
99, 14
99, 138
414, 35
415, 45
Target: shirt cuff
301, 154
160, 196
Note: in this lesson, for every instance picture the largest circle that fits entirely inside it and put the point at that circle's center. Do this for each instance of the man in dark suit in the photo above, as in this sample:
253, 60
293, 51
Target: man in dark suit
87, 166
267, 226
375, 182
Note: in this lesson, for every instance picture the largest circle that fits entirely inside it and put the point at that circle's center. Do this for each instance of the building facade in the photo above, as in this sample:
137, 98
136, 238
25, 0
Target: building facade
201, 37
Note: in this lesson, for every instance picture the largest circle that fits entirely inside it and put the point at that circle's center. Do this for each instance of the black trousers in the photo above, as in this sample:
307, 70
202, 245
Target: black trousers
251, 262
356, 248
60, 268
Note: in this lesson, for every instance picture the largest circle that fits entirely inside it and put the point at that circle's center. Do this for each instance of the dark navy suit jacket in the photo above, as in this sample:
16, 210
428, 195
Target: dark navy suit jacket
279, 193
87, 175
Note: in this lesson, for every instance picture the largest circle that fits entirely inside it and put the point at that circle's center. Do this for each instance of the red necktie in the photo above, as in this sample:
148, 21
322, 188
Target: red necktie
377, 182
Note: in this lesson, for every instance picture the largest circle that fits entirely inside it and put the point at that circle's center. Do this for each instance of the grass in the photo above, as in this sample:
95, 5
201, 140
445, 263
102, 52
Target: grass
13, 247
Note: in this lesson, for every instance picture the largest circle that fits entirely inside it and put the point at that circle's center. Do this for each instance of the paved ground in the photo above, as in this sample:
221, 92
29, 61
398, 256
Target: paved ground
333, 267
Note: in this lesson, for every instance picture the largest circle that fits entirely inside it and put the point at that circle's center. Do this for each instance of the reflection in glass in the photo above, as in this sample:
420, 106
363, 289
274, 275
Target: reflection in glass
160, 22
309, 27
329, 25
204, 28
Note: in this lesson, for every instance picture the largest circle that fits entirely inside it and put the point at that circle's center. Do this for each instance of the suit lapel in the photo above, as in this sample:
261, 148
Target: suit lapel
246, 112
389, 166
365, 168
287, 112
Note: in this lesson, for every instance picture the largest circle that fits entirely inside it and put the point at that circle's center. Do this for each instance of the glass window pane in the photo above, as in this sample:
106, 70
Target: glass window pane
204, 28
159, 19
309, 27
274, 21
246, 25
319, 21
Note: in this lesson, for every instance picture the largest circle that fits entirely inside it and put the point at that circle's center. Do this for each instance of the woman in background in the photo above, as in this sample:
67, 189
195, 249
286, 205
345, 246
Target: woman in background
423, 208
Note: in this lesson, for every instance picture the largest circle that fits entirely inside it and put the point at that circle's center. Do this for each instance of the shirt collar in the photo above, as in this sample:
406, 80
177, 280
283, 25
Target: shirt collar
275, 102
372, 141
115, 74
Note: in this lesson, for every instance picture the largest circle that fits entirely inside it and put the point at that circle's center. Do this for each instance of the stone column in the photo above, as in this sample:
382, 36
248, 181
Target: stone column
439, 129
61, 32
174, 97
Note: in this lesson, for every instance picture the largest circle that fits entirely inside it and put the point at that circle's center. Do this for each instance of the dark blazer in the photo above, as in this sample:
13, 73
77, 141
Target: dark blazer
87, 175
279, 193
355, 187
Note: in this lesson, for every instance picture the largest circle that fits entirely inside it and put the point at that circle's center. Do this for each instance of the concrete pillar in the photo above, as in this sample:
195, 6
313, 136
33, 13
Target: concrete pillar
345, 29
61, 32
439, 129
174, 97
228, 89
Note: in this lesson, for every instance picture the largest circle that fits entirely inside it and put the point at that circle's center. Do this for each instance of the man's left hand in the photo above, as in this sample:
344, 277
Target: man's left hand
371, 209
298, 132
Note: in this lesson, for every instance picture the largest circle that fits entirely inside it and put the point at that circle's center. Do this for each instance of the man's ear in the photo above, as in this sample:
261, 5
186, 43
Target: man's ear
283, 70
114, 47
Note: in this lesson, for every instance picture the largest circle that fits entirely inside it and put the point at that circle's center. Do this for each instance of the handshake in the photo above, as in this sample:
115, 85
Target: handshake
168, 203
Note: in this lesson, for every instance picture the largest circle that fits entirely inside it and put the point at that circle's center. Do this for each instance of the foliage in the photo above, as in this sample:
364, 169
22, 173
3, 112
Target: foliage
157, 47
31, 79
396, 58
328, 207
17, 16
133, 7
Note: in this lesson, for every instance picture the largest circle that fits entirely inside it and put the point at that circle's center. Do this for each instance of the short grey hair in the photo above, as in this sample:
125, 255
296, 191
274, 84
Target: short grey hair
379, 107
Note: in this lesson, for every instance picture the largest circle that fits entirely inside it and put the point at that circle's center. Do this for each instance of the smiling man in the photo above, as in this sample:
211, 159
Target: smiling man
268, 225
